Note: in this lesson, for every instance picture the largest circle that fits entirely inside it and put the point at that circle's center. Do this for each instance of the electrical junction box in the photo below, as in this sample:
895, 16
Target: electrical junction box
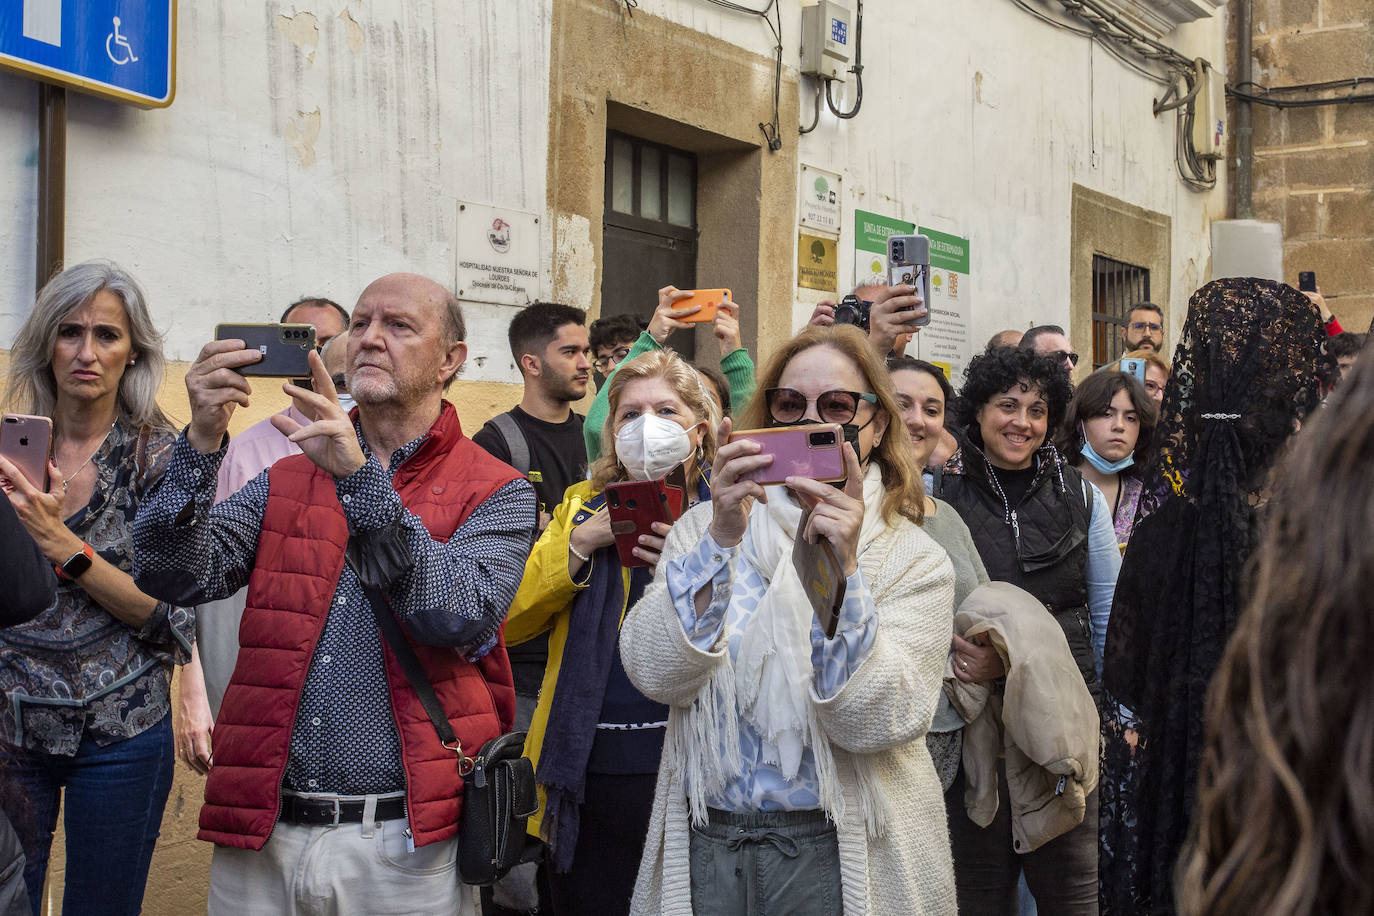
1209, 116
825, 43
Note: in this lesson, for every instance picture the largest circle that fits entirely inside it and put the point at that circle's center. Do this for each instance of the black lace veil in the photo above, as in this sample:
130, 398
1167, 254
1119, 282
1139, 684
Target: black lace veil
1247, 365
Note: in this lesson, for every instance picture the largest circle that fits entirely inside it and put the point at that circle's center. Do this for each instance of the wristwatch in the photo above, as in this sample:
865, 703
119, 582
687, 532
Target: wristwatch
77, 563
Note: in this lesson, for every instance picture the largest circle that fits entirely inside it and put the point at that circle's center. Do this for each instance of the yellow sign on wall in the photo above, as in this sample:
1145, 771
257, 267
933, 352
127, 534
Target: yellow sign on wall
817, 262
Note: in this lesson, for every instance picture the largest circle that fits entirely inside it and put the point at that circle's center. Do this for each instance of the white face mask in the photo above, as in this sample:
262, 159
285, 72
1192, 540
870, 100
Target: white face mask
346, 401
650, 446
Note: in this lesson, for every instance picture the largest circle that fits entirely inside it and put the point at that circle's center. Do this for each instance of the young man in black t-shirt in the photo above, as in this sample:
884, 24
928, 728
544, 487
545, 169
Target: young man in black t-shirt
541, 437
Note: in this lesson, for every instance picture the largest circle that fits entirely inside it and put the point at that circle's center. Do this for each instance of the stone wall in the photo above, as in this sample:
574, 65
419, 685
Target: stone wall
1314, 167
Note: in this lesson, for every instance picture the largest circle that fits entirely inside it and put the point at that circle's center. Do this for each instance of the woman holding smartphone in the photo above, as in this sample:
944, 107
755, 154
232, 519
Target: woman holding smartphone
794, 778
87, 683
595, 739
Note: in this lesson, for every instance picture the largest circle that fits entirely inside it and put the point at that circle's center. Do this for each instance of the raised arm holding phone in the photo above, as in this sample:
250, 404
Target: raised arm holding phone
726, 636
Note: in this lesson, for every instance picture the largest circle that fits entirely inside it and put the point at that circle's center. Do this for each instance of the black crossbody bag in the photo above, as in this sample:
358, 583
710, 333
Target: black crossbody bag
498, 784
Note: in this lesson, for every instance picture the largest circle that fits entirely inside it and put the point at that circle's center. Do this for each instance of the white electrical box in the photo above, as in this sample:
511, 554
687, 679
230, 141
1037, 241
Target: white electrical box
826, 48
1209, 116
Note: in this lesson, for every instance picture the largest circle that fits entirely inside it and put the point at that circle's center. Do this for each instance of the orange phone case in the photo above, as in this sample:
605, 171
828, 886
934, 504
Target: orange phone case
708, 299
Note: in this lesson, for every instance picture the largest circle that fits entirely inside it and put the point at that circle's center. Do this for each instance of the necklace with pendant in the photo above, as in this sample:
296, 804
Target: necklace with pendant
67, 478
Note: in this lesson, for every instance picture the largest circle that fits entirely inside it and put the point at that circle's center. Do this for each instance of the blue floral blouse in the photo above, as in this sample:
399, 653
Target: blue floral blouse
75, 670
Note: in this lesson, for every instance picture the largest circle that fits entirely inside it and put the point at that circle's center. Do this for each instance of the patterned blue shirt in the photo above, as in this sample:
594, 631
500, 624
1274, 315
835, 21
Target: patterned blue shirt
735, 596
452, 594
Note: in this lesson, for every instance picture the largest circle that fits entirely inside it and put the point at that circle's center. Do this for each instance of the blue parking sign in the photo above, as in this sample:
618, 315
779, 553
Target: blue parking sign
119, 49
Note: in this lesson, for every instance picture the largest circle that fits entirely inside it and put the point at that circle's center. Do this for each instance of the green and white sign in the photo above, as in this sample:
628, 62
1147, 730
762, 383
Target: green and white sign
945, 341
820, 202
870, 243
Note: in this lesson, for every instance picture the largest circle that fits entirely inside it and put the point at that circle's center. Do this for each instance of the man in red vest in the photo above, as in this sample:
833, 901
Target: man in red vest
329, 787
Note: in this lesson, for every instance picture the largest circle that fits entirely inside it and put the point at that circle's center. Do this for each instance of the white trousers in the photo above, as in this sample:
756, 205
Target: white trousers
339, 871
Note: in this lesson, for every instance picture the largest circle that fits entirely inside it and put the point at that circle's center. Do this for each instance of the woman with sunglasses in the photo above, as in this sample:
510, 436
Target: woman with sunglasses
791, 758
1040, 526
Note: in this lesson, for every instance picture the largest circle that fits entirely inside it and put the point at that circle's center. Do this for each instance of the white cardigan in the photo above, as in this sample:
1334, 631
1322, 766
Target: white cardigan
883, 710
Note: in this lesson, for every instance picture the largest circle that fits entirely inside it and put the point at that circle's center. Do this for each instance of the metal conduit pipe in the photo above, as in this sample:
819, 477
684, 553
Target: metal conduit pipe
1245, 139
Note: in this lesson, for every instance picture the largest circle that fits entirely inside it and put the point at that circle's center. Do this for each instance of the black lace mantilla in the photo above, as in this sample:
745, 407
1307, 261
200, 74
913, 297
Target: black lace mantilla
1248, 364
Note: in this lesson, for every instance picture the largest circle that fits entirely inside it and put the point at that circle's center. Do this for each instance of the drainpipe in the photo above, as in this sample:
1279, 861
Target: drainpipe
1245, 146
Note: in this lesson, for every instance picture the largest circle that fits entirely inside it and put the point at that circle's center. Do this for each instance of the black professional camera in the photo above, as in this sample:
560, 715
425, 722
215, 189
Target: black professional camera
853, 310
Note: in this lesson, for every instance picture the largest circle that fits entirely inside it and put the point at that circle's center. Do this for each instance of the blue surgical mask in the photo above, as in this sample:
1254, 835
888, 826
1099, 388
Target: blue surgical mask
1102, 464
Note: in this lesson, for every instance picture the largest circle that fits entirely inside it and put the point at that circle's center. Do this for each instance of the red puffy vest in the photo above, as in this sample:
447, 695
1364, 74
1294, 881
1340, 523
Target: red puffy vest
299, 560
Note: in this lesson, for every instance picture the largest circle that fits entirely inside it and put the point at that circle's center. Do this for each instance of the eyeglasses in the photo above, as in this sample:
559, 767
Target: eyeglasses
340, 382
1153, 388
1142, 325
788, 405
603, 363
1059, 356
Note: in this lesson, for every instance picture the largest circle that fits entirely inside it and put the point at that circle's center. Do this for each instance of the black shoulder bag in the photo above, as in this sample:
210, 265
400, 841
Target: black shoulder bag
498, 784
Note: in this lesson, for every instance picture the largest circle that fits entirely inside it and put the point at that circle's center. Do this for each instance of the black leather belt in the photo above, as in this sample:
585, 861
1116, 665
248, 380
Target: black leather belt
326, 812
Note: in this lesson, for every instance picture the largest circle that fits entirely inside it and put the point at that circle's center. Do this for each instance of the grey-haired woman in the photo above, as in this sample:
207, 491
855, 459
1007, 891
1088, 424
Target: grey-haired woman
87, 682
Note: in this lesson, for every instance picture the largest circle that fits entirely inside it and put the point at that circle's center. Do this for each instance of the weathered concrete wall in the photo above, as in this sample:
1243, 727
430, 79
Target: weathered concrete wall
1314, 167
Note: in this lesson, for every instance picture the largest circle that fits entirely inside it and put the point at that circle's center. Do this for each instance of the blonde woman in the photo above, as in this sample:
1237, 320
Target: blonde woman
794, 776
596, 740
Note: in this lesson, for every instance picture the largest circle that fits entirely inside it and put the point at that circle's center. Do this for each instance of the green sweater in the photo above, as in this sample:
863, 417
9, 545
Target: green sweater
737, 368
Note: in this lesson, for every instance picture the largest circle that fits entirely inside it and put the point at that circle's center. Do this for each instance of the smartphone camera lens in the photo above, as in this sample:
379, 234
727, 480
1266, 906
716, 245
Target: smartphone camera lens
899, 251
632, 503
821, 439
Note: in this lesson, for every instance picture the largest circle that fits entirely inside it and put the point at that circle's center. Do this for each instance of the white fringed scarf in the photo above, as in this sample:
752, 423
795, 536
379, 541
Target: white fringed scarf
769, 682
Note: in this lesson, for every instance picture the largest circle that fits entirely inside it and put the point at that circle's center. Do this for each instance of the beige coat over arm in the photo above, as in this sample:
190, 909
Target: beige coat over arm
883, 711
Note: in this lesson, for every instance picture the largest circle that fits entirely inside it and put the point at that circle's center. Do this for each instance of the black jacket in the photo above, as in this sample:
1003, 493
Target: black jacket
1040, 544
32, 583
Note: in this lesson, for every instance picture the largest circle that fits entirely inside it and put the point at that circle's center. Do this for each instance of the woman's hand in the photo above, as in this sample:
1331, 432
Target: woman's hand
726, 328
731, 496
593, 534
41, 512
975, 662
650, 546
193, 722
836, 515
330, 441
665, 320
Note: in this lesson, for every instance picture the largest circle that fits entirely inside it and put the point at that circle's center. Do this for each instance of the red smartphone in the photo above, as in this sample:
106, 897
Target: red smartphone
634, 506
708, 299
27, 441
813, 450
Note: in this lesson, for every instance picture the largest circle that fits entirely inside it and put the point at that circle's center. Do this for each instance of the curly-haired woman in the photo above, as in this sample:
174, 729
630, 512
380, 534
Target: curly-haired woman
1038, 525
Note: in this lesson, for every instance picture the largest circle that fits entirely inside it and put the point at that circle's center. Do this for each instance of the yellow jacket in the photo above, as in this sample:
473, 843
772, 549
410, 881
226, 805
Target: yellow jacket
544, 602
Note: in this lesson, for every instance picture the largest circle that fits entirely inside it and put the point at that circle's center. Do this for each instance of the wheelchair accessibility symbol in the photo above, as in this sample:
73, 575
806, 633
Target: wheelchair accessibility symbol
115, 41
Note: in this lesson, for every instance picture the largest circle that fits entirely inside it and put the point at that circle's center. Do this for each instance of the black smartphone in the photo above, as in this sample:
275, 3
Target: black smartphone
285, 348
1307, 281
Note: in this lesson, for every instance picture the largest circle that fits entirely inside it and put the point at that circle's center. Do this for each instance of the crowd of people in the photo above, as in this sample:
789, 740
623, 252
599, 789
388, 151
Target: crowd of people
1040, 585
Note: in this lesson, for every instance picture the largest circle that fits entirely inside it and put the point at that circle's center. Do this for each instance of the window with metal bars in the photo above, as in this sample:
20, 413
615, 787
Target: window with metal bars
1117, 287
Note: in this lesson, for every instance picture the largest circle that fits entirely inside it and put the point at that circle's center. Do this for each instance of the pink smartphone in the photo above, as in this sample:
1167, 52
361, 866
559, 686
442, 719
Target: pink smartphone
813, 450
27, 441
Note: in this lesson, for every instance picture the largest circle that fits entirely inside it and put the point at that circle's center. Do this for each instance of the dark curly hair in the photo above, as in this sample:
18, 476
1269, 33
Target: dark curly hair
1092, 398
990, 374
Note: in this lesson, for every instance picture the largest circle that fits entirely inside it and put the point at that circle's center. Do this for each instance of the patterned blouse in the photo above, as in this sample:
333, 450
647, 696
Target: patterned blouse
76, 670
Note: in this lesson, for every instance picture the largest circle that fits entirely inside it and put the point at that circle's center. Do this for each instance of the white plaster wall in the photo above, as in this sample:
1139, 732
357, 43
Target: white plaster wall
311, 148
978, 119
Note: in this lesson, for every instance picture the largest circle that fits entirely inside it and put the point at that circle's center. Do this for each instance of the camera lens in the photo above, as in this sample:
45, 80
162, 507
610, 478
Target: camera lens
632, 503
898, 250
821, 439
